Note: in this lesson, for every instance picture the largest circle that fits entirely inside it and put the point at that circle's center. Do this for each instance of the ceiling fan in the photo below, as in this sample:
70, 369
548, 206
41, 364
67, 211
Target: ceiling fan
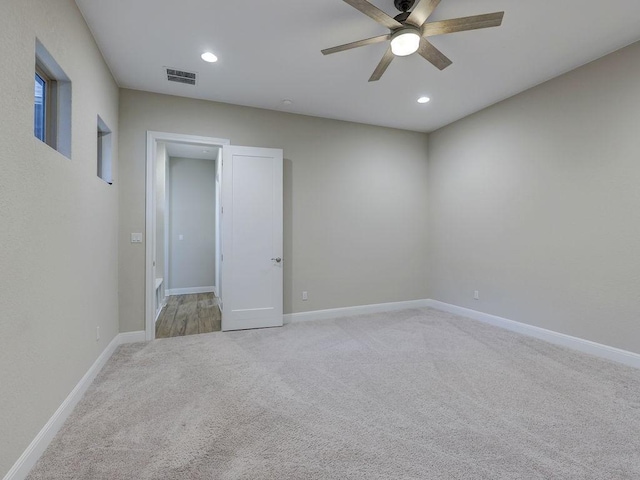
409, 31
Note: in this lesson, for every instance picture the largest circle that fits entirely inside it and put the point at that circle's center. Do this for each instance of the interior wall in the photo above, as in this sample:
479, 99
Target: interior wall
534, 203
354, 200
59, 232
192, 229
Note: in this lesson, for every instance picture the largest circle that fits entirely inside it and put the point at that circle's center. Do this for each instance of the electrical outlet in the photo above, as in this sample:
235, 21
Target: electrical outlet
476, 295
97, 333
305, 296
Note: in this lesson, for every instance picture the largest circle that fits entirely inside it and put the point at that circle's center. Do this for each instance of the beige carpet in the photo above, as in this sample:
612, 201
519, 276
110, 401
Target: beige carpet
416, 394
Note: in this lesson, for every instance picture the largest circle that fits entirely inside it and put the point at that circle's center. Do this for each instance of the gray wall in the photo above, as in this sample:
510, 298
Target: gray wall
58, 224
534, 202
192, 214
355, 197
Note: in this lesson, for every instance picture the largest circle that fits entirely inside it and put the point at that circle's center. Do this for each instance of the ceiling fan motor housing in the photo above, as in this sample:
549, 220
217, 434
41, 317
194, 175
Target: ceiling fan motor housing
404, 5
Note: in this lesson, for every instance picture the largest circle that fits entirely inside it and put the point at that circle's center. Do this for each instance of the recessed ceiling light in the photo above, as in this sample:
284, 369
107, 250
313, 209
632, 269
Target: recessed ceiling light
287, 102
209, 57
423, 100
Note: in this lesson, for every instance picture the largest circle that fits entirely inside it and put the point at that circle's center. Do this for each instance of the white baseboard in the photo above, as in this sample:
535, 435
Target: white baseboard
36, 448
189, 290
349, 311
586, 346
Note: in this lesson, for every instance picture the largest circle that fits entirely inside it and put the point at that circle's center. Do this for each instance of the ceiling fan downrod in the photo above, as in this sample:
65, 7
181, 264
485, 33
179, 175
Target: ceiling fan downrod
404, 5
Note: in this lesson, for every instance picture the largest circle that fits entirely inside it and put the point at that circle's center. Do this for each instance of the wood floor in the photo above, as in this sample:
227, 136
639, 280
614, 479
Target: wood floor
189, 314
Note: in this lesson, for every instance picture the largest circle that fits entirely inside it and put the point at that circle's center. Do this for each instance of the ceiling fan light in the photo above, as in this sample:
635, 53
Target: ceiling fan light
405, 42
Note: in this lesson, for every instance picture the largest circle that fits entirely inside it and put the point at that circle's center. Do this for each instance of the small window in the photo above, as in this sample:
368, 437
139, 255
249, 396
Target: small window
52, 103
104, 152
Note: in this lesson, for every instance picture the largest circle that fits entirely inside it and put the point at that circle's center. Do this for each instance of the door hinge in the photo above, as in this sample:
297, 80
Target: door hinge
221, 209
222, 257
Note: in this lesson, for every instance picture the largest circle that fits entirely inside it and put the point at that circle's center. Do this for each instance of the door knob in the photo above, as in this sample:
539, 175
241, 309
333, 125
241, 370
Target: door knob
277, 259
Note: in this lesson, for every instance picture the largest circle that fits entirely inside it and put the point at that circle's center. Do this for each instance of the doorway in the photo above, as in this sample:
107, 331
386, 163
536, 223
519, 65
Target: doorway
183, 248
187, 240
248, 252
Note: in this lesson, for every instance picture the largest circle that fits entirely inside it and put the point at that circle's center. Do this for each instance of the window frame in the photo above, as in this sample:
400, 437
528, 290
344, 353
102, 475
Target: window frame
50, 130
57, 102
104, 152
45, 96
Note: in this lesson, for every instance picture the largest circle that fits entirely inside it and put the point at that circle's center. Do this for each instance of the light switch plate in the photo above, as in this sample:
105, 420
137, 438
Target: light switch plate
136, 238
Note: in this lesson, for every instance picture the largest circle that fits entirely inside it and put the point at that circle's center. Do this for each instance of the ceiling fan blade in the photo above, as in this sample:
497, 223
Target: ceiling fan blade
462, 24
375, 13
382, 66
359, 43
422, 11
432, 54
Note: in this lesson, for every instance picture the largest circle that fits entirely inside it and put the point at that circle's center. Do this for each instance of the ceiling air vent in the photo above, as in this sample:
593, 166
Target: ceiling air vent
181, 76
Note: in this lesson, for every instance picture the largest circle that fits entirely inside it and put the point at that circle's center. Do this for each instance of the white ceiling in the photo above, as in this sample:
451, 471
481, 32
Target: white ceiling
190, 150
270, 51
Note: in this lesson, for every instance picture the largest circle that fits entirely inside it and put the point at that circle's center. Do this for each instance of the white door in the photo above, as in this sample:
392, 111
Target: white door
251, 237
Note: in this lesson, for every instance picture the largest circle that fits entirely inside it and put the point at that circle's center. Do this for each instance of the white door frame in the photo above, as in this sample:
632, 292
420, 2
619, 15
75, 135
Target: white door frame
150, 212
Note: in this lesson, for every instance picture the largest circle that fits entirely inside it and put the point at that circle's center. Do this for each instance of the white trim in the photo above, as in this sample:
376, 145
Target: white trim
189, 290
167, 215
150, 206
149, 228
586, 346
36, 448
349, 311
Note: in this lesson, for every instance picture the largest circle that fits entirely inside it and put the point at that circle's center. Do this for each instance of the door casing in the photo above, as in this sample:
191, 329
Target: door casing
153, 138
